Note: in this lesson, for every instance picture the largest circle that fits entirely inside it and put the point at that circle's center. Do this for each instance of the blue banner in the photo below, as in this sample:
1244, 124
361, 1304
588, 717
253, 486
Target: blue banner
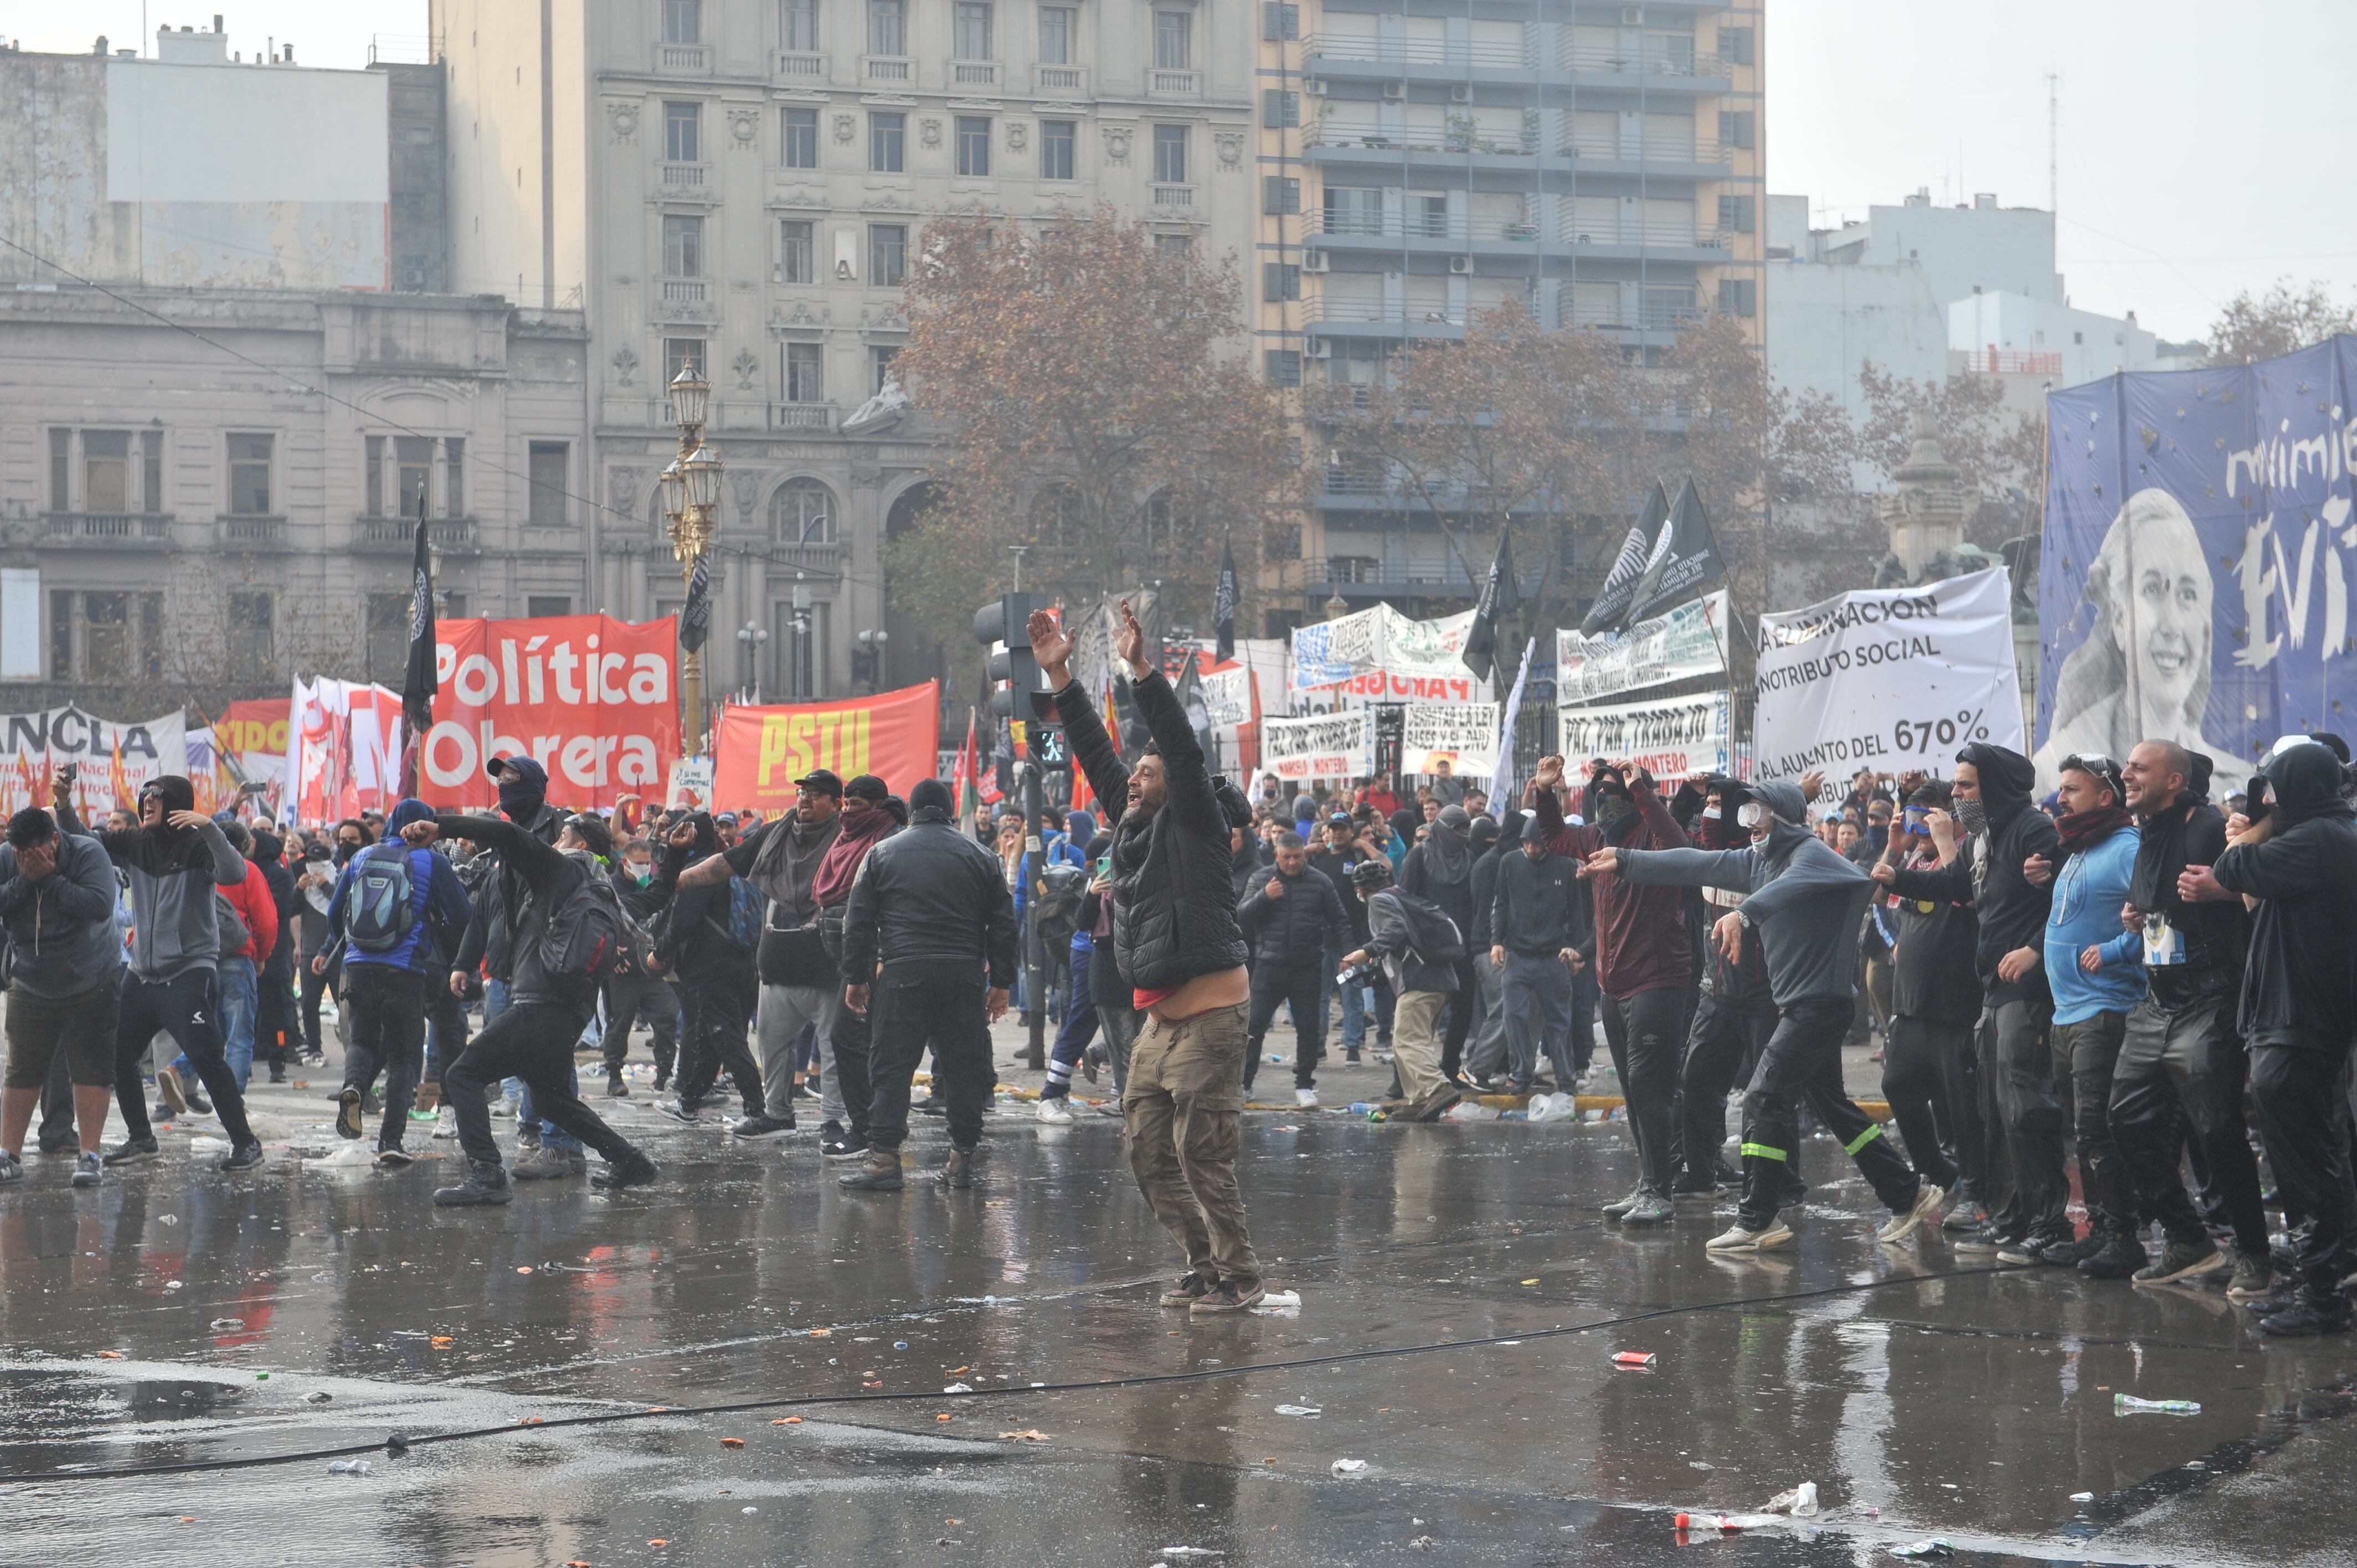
2194, 581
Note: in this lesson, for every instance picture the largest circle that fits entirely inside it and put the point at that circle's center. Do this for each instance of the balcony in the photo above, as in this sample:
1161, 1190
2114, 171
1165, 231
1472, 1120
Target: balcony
1455, 228
1174, 198
888, 68
107, 529
684, 176
1649, 236
1060, 78
802, 415
1408, 51
244, 531
815, 557
973, 73
398, 535
1174, 83
796, 65
682, 57
1644, 61
1347, 57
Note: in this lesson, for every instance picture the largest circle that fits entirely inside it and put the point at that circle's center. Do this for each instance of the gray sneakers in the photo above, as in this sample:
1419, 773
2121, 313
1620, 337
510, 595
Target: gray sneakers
546, 1163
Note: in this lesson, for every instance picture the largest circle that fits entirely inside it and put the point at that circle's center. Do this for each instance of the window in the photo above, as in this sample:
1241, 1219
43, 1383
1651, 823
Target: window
802, 513
1354, 209
681, 122
60, 467
1170, 154
106, 470
806, 372
249, 475
887, 27
1284, 366
973, 145
886, 134
1280, 194
1280, 110
538, 605
1170, 40
1055, 35
1738, 296
798, 26
549, 464
1280, 23
105, 636
375, 497
251, 617
879, 361
971, 31
682, 21
1737, 46
1055, 141
454, 476
1174, 248
679, 351
682, 234
151, 471
797, 251
888, 254
414, 459
1736, 127
384, 652
1739, 213
1279, 282
800, 148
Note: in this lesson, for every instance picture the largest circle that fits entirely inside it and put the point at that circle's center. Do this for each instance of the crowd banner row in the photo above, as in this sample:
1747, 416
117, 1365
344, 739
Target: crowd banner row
112, 760
1461, 737
1320, 745
1379, 655
593, 699
762, 750
1680, 645
1670, 738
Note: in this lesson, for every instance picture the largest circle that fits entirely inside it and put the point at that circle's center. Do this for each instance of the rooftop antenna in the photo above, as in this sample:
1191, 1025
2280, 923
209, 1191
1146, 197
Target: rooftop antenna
2053, 120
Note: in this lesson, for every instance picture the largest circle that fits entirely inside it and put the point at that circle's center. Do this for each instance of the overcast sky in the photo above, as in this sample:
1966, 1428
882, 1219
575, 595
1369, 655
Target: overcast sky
2202, 148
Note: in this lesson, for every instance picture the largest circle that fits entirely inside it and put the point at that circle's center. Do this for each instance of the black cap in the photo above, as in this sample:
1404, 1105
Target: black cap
868, 787
821, 780
1341, 820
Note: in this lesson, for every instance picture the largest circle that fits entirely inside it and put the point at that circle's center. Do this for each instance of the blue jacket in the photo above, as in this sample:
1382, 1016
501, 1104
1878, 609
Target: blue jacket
2088, 893
441, 907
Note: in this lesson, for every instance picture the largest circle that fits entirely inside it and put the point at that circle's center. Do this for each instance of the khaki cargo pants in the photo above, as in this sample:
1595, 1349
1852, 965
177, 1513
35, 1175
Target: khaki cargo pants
1181, 1111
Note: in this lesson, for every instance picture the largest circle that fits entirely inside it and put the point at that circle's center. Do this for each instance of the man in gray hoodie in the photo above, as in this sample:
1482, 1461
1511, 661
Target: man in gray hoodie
56, 899
1803, 901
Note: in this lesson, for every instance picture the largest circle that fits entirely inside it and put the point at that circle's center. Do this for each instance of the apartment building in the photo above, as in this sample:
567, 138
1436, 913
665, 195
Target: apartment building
743, 184
1421, 161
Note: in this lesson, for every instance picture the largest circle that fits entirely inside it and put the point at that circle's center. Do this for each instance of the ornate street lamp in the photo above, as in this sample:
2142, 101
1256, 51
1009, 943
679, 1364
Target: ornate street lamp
691, 490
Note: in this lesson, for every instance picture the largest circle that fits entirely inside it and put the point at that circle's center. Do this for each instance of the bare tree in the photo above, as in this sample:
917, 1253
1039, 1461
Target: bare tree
2000, 455
2276, 323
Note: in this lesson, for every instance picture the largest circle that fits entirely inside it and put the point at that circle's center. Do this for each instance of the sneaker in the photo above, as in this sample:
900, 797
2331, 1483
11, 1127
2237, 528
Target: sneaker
931, 1105
279, 1075
880, 1172
1928, 1195
159, 1112
2305, 1318
1620, 1206
2255, 1278
244, 1157
133, 1152
88, 1171
663, 1081
957, 1171
616, 1089
804, 1091
1055, 1110
546, 1163
2180, 1260
1649, 1209
1988, 1238
846, 1147
2121, 1257
1306, 1098
1349, 1059
502, 1110
528, 1135
1735, 1238
2068, 1254
65, 1145
680, 1111
12, 1169
1189, 1288
1965, 1216
1229, 1296
347, 1114
198, 1105
1690, 1187
486, 1184
169, 1091
760, 1126
2022, 1251
392, 1157
445, 1122
633, 1169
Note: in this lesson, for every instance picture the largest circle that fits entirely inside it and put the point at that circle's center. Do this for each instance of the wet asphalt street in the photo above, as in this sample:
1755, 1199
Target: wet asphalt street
1925, 1395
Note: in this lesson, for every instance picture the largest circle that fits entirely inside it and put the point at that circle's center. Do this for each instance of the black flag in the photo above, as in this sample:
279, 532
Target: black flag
1223, 603
1685, 560
1501, 596
419, 683
695, 622
1610, 611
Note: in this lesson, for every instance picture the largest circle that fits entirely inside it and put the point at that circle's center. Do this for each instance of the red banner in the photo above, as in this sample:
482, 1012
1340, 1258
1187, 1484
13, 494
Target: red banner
254, 724
595, 700
894, 734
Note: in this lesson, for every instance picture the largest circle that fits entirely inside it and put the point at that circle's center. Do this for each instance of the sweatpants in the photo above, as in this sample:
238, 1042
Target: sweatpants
1302, 988
1182, 1114
2022, 1106
1722, 1044
1079, 1028
531, 1040
389, 1036
778, 1020
2178, 1086
630, 997
711, 1038
2297, 1085
1537, 997
1926, 1076
911, 1006
1803, 1063
1486, 1050
1646, 1034
187, 1008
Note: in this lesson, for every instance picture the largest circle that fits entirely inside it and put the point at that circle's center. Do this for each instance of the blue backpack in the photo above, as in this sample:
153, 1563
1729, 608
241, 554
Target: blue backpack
383, 898
744, 914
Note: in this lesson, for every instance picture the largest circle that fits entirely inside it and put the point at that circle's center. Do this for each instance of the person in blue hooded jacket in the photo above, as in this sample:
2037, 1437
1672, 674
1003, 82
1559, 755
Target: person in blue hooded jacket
1802, 903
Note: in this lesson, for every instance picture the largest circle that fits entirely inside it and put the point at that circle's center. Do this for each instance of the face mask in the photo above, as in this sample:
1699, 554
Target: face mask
642, 874
1972, 815
521, 797
1711, 813
344, 851
1750, 814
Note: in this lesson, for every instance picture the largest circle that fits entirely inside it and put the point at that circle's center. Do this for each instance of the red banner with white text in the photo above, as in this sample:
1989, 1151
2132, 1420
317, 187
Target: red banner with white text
895, 736
594, 698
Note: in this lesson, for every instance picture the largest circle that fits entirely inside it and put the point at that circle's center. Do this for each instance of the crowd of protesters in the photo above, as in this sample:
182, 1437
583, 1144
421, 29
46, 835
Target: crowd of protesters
2125, 978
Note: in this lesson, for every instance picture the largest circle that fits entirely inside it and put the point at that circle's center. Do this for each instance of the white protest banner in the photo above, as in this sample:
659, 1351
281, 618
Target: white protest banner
1320, 745
690, 785
1463, 735
111, 760
1889, 679
1669, 738
1228, 695
1690, 640
1381, 656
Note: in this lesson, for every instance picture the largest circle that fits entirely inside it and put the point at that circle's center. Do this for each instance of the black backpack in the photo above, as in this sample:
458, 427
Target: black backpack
587, 937
1056, 907
1434, 933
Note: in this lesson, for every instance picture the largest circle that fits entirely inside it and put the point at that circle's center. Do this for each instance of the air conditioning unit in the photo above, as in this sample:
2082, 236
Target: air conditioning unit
1461, 93
1313, 261
1461, 265
1395, 90
1317, 348
1315, 86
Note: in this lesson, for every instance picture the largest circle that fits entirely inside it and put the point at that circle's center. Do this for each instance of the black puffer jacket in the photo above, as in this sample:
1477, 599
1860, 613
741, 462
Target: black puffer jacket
1293, 931
1174, 891
929, 894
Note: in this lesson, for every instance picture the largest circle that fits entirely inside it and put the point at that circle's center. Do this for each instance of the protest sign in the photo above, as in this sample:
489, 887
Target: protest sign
1381, 655
690, 786
111, 760
1889, 679
761, 751
1320, 745
1462, 734
1687, 642
343, 753
1669, 737
593, 700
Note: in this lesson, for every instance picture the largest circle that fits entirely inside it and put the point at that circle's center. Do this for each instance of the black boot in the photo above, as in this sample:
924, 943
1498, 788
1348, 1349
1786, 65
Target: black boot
486, 1184
633, 1169
880, 1172
958, 1171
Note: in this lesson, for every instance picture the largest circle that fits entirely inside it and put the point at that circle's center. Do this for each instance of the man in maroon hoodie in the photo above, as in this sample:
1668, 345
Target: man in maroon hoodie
1643, 962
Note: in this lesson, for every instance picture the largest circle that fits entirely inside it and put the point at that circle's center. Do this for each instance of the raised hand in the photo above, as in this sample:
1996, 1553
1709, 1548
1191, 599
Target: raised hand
1050, 645
1129, 643
1549, 775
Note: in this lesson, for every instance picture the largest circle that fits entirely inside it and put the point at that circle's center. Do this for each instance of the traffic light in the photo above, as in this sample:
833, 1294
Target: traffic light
999, 625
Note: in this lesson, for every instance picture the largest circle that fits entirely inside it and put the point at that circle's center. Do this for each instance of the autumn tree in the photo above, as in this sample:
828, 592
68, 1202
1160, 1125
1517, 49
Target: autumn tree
1999, 453
2276, 323
1097, 409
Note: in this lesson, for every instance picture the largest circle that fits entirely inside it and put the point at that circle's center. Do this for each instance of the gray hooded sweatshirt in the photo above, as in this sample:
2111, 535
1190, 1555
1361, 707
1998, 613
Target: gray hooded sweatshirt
1801, 898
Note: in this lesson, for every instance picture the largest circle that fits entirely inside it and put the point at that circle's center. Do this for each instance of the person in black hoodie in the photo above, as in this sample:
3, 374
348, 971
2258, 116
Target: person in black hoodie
2020, 1102
1439, 870
1485, 1047
1734, 1011
2182, 1062
1342, 849
2298, 1009
713, 971
1927, 1063
274, 1025
1291, 916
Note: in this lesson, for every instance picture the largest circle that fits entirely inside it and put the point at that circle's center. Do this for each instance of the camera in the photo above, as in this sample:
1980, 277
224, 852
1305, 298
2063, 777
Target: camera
1357, 974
